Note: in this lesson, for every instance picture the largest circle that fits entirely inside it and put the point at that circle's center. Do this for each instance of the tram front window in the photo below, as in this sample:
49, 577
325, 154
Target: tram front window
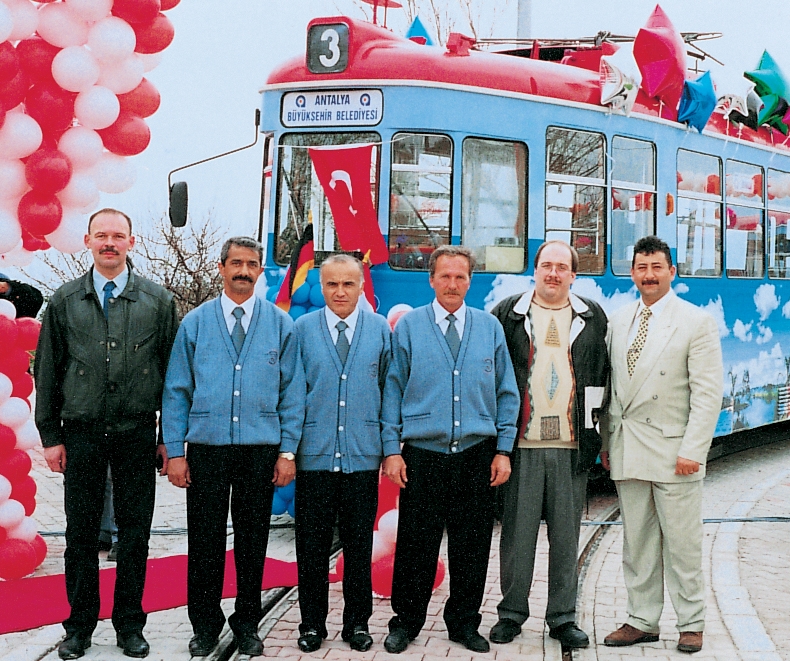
698, 214
301, 199
420, 194
778, 221
493, 203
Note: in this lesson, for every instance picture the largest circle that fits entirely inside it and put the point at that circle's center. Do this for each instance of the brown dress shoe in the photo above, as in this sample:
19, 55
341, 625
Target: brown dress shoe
690, 641
627, 635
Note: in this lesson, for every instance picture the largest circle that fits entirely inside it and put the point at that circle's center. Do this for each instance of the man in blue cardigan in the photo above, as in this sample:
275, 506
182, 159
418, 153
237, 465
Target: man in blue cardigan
345, 352
451, 399
234, 393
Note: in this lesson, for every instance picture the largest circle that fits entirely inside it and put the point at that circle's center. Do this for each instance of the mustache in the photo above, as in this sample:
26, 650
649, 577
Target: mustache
111, 251
244, 278
649, 282
552, 280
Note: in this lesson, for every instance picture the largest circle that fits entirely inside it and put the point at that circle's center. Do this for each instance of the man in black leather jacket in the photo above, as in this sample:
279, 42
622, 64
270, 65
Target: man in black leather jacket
26, 298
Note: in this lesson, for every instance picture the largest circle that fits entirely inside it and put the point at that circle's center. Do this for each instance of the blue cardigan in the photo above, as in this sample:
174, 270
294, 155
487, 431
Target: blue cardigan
435, 404
213, 397
342, 430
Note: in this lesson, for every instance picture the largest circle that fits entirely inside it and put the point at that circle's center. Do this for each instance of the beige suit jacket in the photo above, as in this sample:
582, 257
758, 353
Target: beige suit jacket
670, 406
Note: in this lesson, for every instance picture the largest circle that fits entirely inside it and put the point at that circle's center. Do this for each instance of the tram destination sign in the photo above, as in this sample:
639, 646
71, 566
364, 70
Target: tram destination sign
332, 108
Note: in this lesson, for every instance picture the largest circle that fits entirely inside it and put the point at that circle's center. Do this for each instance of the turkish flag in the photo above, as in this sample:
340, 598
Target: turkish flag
344, 173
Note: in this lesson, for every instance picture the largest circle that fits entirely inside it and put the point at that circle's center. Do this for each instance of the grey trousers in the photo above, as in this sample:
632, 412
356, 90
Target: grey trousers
543, 485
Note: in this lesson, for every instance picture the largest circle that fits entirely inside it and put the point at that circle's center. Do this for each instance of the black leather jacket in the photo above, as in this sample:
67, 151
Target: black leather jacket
94, 372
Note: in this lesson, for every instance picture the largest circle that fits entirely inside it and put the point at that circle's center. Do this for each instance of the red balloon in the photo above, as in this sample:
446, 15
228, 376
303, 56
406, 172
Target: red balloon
28, 330
9, 62
169, 4
15, 466
17, 559
3, 535
39, 213
51, 106
129, 135
340, 566
35, 58
23, 386
40, 547
440, 572
136, 11
14, 362
155, 36
14, 91
2, 114
9, 332
48, 170
32, 243
24, 491
381, 575
7, 440
142, 101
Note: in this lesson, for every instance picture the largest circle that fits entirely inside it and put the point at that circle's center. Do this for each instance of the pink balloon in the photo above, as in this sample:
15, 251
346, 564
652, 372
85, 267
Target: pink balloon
75, 69
11, 514
82, 146
48, 171
69, 236
25, 18
12, 179
26, 530
80, 194
114, 174
10, 231
27, 435
90, 10
121, 76
6, 22
381, 547
388, 526
60, 26
112, 38
97, 108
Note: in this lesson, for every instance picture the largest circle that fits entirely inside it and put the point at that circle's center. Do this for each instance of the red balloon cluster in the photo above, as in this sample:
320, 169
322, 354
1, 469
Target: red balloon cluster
73, 104
22, 549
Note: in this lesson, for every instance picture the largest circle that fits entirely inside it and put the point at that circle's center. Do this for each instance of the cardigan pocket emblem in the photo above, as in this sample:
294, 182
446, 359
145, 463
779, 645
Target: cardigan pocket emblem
374, 370
273, 357
488, 365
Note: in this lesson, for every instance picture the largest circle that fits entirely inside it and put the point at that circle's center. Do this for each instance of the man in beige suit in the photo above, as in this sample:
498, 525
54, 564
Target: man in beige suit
666, 398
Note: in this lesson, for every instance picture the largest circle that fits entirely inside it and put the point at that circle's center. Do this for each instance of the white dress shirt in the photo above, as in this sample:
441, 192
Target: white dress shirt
120, 281
332, 319
655, 311
228, 306
441, 318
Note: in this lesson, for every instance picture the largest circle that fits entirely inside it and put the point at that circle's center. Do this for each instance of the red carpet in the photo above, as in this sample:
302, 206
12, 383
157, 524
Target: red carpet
34, 602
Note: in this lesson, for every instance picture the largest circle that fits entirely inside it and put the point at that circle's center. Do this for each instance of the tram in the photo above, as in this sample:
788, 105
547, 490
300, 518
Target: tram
500, 151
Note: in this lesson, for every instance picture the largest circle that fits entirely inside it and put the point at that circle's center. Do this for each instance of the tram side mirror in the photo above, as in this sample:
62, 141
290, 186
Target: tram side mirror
178, 204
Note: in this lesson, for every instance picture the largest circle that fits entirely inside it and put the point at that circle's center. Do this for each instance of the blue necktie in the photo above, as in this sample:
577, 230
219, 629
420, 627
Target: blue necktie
342, 345
238, 330
451, 335
108, 287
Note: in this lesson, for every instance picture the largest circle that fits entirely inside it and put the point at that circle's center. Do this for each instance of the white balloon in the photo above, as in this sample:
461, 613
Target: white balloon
14, 412
388, 526
26, 530
114, 174
150, 60
75, 69
10, 231
82, 146
96, 108
20, 136
25, 18
16, 257
12, 178
12, 512
70, 234
5, 489
27, 436
7, 309
382, 547
81, 192
6, 388
90, 10
60, 26
111, 39
6, 22
122, 76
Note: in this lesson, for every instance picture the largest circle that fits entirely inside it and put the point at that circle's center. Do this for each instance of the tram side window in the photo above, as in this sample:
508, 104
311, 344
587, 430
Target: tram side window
493, 203
301, 199
743, 185
698, 214
420, 193
633, 198
778, 221
576, 194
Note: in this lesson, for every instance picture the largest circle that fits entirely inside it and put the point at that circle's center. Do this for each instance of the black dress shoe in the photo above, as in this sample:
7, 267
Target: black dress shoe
358, 638
570, 635
202, 644
472, 641
310, 641
249, 643
133, 644
397, 640
74, 646
504, 631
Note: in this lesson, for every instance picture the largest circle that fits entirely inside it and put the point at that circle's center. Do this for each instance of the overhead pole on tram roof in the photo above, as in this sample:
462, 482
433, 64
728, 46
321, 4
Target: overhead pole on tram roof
524, 21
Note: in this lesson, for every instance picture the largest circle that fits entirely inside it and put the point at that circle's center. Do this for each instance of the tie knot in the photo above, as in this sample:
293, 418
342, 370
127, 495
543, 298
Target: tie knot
109, 286
451, 317
646, 311
341, 326
238, 312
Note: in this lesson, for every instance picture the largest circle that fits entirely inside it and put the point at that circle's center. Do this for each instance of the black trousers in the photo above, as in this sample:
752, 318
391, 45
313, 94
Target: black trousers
132, 457
321, 497
452, 491
241, 474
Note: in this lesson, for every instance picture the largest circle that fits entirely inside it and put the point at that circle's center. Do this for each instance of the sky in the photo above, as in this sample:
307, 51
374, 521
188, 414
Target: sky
211, 74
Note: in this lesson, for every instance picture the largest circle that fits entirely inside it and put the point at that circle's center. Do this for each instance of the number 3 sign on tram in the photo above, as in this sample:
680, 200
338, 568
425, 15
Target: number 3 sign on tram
327, 48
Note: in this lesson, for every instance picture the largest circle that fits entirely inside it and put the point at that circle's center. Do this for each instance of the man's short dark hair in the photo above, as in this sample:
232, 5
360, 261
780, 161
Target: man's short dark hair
451, 251
113, 211
241, 242
574, 254
650, 245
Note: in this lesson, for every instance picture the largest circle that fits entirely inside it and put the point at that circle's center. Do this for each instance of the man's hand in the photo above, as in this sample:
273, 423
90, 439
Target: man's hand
605, 460
161, 455
686, 466
395, 469
284, 472
56, 458
4, 287
178, 472
500, 470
